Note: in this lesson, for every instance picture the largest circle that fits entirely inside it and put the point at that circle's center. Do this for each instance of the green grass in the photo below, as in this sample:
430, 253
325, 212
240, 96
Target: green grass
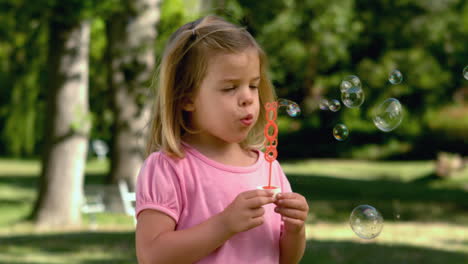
408, 190
425, 218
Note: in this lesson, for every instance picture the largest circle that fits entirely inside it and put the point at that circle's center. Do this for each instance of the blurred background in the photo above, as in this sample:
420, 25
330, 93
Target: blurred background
75, 101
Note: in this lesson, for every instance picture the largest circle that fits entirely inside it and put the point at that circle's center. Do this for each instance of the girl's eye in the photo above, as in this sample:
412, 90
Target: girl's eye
229, 89
253, 86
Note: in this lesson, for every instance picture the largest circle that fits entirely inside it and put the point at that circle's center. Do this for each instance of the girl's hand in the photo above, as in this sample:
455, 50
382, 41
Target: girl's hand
293, 208
246, 211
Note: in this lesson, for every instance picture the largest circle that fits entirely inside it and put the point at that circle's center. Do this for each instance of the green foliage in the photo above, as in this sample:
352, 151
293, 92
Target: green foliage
99, 99
312, 45
450, 122
22, 55
173, 15
82, 122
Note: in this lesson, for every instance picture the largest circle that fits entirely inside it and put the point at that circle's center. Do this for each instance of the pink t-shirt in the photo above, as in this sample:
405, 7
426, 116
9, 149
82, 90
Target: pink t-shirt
193, 189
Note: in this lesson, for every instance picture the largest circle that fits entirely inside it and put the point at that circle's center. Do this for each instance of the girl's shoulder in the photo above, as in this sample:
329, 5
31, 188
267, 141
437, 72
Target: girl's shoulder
161, 156
163, 159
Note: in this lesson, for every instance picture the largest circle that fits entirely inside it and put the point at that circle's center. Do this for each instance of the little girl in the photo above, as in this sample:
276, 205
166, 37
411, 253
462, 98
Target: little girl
197, 196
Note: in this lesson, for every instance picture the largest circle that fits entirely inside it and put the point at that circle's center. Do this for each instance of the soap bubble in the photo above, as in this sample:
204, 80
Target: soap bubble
334, 105
324, 104
366, 221
353, 97
388, 115
350, 81
340, 132
292, 108
395, 77
465, 72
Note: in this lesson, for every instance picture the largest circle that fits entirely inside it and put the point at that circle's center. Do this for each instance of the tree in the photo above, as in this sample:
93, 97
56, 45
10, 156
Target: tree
211, 6
131, 34
22, 59
67, 119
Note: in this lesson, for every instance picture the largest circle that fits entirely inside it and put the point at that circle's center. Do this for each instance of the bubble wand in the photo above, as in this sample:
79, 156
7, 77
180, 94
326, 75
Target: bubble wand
271, 141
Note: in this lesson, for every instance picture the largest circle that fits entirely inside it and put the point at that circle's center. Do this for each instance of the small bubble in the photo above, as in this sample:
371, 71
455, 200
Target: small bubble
395, 77
324, 104
293, 110
334, 105
340, 132
465, 72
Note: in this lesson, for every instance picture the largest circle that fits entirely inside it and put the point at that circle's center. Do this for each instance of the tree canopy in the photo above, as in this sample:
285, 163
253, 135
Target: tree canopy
311, 45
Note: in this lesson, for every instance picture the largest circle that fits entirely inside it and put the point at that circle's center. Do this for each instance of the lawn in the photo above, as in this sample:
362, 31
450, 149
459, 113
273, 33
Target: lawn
426, 219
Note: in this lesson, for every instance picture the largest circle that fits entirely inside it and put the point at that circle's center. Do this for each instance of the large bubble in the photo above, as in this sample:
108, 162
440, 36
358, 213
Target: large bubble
292, 108
353, 97
366, 221
465, 72
350, 81
388, 115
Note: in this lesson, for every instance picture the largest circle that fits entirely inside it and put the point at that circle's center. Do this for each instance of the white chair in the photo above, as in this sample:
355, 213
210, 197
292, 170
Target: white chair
93, 203
128, 199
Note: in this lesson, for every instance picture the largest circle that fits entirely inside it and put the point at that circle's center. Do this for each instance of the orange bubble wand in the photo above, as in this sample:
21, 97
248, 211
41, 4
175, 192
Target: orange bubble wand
271, 140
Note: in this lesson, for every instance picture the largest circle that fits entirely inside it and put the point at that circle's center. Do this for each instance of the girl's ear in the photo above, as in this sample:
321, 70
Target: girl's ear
189, 106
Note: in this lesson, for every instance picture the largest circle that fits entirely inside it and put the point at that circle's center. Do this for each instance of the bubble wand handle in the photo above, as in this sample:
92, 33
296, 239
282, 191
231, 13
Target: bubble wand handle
271, 140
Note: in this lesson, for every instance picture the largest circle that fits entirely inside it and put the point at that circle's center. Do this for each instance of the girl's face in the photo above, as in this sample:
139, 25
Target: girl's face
226, 105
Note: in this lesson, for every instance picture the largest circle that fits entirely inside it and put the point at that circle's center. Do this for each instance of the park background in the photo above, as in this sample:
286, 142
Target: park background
76, 71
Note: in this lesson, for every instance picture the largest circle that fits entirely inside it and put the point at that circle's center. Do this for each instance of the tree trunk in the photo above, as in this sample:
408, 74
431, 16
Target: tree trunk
67, 126
130, 57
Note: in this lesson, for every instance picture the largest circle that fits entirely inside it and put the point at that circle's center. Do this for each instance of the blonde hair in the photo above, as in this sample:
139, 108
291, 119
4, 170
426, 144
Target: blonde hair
182, 70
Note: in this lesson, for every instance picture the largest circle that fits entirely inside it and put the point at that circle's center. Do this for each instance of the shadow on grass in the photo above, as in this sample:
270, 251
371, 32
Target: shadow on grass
10, 202
119, 247
332, 199
350, 252
83, 247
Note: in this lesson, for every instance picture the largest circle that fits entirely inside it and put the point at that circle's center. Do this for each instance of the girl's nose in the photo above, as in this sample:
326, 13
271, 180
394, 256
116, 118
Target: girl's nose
247, 97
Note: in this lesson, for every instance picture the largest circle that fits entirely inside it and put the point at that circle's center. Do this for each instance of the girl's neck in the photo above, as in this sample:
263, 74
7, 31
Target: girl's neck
223, 152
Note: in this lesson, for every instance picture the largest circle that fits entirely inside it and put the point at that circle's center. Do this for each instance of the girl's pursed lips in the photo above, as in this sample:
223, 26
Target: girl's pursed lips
247, 117
247, 120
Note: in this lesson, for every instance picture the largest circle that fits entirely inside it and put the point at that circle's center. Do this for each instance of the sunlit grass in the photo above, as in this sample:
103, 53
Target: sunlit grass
442, 236
367, 170
425, 218
33, 167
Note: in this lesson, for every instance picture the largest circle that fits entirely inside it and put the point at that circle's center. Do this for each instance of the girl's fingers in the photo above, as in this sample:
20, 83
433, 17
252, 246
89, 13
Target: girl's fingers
258, 212
292, 221
298, 204
257, 221
260, 201
292, 213
256, 193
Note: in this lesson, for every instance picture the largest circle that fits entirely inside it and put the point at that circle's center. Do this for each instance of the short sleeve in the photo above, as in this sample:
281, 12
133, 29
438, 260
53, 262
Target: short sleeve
158, 187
